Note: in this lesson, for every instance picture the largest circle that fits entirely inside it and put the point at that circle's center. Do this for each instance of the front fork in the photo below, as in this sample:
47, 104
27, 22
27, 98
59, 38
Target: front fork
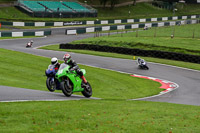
67, 81
52, 80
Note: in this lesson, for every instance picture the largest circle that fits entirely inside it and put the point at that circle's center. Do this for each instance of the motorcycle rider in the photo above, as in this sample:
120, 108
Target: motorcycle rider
140, 61
30, 43
54, 61
73, 66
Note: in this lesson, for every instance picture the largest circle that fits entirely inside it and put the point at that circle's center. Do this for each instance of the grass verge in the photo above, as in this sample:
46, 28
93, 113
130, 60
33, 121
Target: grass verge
27, 71
100, 116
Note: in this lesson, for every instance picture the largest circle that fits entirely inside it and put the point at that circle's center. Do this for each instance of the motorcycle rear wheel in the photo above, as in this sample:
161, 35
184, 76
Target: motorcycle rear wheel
49, 85
87, 90
65, 89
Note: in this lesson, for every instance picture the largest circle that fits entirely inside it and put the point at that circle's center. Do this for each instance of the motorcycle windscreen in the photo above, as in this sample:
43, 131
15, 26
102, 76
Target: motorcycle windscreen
62, 66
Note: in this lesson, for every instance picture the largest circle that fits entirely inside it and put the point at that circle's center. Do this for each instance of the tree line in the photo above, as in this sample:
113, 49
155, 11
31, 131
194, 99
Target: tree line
112, 3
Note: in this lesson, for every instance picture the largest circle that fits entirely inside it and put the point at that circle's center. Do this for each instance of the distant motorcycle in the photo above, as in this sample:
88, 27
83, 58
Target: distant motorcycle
142, 64
29, 44
51, 83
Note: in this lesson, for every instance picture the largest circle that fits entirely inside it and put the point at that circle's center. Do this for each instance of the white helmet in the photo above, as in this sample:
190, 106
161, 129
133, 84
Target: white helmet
54, 61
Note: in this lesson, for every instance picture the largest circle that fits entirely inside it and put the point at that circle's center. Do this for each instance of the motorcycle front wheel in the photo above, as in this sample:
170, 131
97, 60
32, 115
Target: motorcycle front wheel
65, 89
87, 90
147, 68
50, 85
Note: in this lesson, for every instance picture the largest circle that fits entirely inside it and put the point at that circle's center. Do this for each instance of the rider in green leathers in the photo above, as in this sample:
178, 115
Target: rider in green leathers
73, 66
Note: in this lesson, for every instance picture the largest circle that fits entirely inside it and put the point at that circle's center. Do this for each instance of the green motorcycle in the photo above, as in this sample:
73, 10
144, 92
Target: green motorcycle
71, 82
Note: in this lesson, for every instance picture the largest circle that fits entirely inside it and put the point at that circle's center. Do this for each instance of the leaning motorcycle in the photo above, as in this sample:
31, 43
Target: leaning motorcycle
71, 82
142, 65
51, 83
28, 45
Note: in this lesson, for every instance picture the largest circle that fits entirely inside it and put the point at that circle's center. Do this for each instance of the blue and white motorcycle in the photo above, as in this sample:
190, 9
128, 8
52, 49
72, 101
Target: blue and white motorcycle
52, 83
142, 64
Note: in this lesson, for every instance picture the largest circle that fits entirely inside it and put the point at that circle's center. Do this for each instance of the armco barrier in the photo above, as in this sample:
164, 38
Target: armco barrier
32, 23
127, 26
118, 21
136, 52
25, 33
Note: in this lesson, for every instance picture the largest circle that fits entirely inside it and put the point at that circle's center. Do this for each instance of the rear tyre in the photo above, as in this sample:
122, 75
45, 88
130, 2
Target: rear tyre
87, 90
50, 85
65, 89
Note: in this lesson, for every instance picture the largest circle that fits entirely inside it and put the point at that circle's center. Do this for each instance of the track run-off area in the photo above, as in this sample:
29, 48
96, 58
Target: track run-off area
187, 90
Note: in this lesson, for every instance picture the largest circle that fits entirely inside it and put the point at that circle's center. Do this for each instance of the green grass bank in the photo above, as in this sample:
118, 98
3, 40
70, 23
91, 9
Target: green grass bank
99, 116
186, 39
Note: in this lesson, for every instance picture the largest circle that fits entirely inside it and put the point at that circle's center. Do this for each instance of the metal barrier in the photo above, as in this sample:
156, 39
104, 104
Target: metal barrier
127, 26
25, 33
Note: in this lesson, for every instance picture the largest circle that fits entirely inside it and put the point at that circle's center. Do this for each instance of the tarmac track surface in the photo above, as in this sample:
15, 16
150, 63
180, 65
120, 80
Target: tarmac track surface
188, 80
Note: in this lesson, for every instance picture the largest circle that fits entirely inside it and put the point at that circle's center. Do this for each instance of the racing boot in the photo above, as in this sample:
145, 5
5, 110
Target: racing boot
84, 80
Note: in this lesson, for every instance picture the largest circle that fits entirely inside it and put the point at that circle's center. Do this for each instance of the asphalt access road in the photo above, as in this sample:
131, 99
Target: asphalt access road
188, 80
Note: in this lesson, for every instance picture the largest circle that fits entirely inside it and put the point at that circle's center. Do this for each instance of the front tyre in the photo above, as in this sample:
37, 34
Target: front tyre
87, 90
66, 89
147, 68
50, 85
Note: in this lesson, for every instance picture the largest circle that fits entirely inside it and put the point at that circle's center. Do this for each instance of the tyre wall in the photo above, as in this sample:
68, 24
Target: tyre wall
135, 52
